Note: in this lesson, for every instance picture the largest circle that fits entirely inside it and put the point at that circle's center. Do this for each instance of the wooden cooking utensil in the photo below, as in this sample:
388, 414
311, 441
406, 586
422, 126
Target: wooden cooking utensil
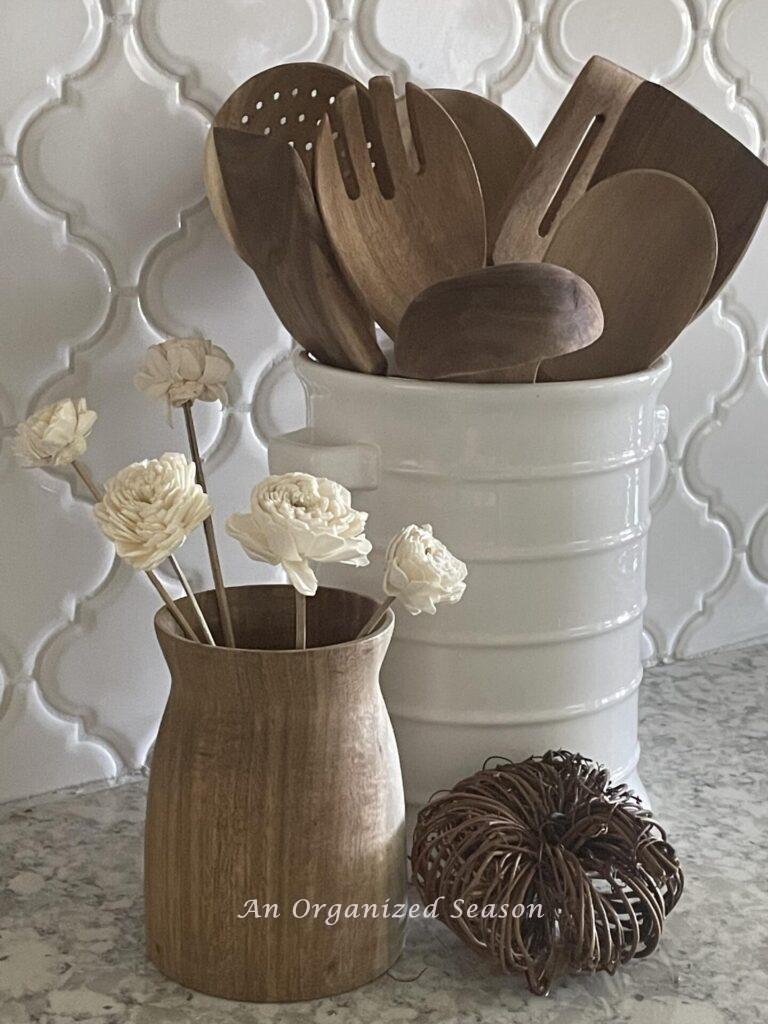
560, 168
496, 320
498, 145
286, 102
396, 231
281, 237
659, 130
646, 242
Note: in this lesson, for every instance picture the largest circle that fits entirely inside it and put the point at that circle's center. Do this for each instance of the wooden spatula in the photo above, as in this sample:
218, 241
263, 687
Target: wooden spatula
659, 130
497, 320
559, 170
280, 236
646, 242
498, 145
397, 229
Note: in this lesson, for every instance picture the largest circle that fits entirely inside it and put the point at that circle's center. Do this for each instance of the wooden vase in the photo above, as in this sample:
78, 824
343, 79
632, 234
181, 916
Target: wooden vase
275, 787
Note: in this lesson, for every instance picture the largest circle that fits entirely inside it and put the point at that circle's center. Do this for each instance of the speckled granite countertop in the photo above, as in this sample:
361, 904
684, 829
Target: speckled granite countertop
71, 909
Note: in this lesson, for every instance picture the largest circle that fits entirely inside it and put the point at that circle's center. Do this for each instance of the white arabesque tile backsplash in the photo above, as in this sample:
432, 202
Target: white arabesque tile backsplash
109, 246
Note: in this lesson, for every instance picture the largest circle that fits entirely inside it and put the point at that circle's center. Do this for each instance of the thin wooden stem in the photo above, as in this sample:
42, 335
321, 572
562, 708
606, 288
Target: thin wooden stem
181, 577
300, 604
87, 479
170, 604
93, 487
376, 619
210, 536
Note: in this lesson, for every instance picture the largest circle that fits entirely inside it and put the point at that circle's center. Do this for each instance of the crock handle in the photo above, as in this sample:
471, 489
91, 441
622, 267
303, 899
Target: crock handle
661, 424
355, 466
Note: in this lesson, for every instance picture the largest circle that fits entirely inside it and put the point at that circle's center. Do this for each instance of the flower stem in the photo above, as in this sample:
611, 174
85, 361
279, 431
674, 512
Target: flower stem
87, 479
170, 604
376, 619
180, 576
210, 537
300, 605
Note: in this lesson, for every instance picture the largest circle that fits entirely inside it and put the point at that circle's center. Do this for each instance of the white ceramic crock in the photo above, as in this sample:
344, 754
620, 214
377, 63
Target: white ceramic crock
542, 489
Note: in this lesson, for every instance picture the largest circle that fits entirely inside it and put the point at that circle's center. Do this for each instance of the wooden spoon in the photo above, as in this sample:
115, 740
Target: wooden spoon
281, 237
498, 145
286, 105
397, 229
646, 242
496, 321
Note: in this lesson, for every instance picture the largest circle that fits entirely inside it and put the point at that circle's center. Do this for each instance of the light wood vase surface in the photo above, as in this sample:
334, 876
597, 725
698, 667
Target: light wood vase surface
275, 776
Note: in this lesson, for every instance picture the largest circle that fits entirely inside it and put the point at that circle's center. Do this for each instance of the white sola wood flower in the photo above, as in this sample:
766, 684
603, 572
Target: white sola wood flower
150, 507
54, 435
421, 572
183, 370
296, 519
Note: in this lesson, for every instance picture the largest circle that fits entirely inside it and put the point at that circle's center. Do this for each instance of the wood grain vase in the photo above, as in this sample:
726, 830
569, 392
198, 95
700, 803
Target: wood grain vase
275, 777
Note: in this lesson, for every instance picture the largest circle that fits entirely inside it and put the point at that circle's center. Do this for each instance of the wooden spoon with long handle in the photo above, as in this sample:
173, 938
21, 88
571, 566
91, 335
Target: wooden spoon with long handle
498, 145
646, 242
496, 323
396, 229
281, 237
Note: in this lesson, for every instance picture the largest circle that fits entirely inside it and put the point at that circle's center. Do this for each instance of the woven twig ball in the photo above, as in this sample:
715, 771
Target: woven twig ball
586, 875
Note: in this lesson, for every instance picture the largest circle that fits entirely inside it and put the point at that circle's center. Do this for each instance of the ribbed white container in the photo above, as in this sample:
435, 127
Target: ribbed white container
542, 489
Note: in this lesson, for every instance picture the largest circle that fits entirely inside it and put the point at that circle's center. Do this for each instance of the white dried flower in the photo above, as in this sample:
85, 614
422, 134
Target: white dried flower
54, 435
297, 518
150, 507
183, 370
421, 572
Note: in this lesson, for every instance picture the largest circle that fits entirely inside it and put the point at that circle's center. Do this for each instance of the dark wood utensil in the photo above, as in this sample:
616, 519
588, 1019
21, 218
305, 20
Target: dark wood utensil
496, 323
396, 229
281, 237
646, 242
498, 145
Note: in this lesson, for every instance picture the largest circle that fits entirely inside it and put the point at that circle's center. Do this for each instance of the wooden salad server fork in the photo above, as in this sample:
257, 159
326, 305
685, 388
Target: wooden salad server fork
396, 228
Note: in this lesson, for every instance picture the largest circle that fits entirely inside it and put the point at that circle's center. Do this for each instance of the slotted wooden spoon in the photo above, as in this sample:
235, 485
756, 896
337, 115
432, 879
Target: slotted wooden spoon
646, 242
496, 322
559, 169
282, 239
396, 229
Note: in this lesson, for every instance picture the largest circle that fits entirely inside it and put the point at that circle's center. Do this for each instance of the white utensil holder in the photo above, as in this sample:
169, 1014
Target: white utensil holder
543, 490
